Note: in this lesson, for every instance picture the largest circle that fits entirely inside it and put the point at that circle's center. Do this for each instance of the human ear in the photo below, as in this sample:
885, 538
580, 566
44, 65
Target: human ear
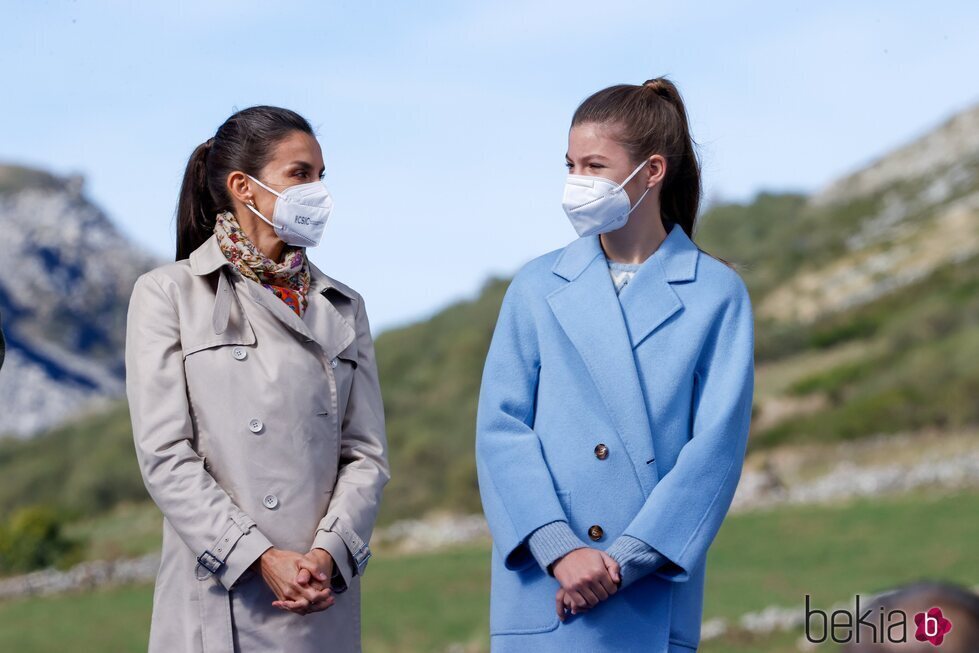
657, 170
239, 188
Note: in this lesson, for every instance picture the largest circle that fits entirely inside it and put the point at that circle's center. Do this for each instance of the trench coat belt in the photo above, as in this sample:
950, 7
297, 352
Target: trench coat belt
216, 629
214, 599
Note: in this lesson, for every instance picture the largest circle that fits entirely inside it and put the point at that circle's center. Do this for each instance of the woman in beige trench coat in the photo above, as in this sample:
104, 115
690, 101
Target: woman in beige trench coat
259, 427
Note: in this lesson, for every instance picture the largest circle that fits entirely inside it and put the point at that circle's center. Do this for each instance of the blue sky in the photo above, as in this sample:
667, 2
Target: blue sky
444, 125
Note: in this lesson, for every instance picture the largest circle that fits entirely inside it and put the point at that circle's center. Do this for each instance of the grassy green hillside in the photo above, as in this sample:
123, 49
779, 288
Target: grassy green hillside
425, 602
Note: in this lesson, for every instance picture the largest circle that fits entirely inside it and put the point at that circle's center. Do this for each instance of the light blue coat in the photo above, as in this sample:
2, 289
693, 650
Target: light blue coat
665, 380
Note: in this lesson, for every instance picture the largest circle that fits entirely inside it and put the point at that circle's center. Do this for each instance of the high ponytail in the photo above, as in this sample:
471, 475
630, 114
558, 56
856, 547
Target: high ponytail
651, 119
244, 142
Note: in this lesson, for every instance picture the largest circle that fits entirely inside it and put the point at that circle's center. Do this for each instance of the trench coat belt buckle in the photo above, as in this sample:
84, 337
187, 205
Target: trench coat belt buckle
358, 548
212, 559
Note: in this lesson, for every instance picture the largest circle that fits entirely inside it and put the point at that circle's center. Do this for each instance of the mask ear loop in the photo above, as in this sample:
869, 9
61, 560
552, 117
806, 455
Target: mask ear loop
639, 201
256, 212
633, 174
250, 206
641, 197
276, 193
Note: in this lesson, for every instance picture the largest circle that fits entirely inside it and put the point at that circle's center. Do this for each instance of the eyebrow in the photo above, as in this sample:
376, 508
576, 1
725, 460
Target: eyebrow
303, 164
588, 156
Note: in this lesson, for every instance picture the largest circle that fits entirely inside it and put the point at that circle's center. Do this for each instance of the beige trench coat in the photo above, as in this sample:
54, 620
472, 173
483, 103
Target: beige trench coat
253, 428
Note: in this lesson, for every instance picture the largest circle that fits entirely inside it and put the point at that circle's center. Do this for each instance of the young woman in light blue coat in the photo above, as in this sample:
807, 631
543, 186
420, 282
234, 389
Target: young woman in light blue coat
616, 399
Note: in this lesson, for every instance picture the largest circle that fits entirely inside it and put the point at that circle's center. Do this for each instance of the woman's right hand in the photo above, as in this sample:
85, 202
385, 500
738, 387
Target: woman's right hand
587, 577
279, 568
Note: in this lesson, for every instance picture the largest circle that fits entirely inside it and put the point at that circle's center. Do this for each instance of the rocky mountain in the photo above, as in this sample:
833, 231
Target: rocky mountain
907, 214
68, 273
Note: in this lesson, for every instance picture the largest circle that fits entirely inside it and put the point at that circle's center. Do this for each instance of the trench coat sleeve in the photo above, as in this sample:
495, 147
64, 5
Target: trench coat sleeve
515, 484
684, 511
225, 539
364, 470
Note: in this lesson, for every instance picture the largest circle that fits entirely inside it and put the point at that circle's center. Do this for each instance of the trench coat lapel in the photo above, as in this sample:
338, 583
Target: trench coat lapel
329, 328
321, 322
605, 328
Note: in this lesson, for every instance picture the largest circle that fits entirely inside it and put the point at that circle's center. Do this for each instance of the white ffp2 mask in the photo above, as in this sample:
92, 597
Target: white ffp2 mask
300, 212
596, 205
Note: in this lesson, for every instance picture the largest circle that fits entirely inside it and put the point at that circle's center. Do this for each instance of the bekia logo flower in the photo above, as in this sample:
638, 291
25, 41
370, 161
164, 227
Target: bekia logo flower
932, 626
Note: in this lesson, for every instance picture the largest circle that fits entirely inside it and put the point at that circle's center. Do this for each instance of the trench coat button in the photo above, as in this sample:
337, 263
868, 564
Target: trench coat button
601, 451
255, 425
239, 353
595, 532
333, 363
270, 501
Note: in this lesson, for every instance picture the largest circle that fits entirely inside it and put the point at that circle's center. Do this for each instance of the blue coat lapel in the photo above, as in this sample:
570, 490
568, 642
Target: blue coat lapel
605, 328
649, 298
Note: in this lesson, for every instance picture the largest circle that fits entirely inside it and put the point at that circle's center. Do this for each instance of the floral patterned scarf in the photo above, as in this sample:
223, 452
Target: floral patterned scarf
288, 280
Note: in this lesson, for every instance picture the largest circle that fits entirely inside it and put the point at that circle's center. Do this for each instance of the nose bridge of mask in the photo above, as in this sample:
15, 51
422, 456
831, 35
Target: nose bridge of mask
313, 189
590, 181
585, 181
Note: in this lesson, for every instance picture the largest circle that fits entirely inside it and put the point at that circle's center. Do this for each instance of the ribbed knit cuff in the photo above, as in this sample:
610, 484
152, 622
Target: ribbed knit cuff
551, 541
635, 558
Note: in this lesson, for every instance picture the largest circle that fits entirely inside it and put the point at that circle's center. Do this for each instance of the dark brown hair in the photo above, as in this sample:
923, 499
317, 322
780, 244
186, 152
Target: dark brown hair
244, 142
651, 119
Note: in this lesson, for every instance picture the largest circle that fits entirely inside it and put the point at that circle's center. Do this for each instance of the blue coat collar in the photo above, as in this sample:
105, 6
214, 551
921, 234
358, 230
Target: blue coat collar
677, 253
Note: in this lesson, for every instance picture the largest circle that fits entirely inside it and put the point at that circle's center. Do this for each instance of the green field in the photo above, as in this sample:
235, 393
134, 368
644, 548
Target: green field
425, 602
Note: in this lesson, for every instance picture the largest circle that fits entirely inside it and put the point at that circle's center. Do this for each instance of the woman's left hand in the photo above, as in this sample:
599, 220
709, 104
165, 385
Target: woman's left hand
316, 568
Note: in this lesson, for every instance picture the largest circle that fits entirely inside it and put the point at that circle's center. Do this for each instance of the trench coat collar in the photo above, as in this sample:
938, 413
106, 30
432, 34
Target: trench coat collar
605, 328
208, 257
321, 322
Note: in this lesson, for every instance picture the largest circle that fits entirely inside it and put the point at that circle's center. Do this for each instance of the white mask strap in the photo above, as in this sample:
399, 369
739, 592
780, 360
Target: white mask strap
256, 212
629, 177
272, 191
638, 202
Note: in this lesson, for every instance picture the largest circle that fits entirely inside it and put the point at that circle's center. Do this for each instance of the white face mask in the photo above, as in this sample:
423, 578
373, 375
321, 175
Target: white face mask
300, 212
596, 205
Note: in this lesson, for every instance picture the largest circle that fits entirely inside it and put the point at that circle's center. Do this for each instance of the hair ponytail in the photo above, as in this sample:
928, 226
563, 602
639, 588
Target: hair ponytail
194, 205
651, 119
244, 142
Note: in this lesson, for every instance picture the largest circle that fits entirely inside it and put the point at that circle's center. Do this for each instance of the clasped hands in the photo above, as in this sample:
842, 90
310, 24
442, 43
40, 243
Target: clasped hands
300, 582
587, 576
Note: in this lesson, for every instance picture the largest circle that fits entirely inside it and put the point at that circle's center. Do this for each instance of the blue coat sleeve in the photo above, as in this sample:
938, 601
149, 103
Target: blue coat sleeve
684, 511
515, 484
